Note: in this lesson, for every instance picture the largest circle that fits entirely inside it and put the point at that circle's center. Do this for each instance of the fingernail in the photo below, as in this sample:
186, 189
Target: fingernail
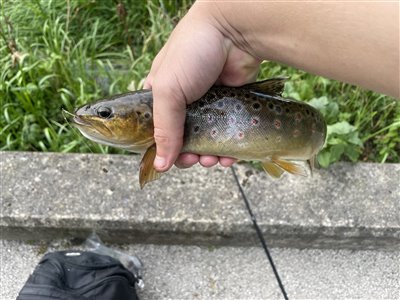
159, 162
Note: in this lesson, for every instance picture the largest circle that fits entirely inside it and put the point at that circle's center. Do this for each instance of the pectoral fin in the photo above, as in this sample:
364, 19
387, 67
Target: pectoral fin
290, 167
312, 163
272, 169
147, 172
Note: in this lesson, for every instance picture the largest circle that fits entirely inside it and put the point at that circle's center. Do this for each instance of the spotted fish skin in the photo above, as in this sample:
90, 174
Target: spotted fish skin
249, 125
252, 122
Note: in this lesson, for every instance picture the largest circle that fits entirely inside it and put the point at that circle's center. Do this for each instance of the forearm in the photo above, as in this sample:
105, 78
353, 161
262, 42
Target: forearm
352, 42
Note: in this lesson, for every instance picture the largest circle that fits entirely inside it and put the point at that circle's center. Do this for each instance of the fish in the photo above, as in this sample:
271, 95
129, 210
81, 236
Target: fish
252, 122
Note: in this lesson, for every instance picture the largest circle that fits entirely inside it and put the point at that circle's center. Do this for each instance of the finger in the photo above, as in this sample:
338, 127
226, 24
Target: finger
208, 160
226, 161
169, 118
186, 160
155, 66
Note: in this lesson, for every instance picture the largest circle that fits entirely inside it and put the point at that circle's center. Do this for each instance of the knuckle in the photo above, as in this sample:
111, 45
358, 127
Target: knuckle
160, 137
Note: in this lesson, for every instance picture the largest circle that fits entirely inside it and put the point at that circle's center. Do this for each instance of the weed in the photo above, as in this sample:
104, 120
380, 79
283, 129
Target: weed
58, 54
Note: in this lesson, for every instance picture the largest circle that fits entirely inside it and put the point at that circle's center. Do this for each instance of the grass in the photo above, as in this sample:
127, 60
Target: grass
61, 54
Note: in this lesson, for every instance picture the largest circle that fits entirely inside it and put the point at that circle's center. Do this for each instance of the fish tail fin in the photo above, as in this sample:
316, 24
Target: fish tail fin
147, 172
290, 167
272, 169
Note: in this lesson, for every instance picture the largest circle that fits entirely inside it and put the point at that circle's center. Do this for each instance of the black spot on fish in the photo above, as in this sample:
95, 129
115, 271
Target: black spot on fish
278, 109
231, 94
220, 104
307, 112
147, 115
196, 129
238, 107
287, 110
270, 106
201, 104
214, 132
256, 106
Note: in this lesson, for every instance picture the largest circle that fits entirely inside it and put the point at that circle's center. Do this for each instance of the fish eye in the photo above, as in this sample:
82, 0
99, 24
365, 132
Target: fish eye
104, 112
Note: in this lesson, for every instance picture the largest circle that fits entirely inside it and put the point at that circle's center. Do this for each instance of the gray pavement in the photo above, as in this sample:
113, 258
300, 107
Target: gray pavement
193, 272
338, 232
48, 195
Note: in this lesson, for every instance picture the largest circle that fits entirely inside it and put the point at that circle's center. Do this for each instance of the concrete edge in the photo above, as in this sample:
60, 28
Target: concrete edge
285, 221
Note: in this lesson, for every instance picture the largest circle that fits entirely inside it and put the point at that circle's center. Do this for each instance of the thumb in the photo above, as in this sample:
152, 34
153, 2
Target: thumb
189, 64
169, 118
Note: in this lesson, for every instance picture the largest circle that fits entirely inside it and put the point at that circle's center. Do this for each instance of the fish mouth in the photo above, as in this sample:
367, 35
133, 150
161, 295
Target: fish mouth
78, 121
75, 119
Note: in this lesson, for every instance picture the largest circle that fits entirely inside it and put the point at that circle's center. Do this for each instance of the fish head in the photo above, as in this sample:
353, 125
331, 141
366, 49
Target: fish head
125, 121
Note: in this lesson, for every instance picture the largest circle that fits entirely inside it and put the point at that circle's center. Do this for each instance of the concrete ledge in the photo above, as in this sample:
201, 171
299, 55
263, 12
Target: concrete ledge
49, 195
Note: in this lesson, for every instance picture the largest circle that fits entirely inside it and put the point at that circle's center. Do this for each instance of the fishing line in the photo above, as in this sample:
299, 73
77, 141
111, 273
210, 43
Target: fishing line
259, 234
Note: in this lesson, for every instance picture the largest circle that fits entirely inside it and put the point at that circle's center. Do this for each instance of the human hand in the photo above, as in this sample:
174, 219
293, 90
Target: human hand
196, 56
224, 42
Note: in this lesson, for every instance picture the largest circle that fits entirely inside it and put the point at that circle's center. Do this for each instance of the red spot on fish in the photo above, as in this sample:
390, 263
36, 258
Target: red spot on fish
298, 117
240, 135
255, 121
210, 118
277, 124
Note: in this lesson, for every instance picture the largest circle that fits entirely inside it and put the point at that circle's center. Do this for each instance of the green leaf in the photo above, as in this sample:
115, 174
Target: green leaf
354, 139
352, 153
324, 158
319, 103
340, 128
336, 152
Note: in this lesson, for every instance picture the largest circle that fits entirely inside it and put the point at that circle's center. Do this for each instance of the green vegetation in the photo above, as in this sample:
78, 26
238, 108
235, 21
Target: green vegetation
64, 53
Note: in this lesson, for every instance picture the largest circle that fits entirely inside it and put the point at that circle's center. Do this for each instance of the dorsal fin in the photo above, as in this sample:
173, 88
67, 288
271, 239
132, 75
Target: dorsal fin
272, 86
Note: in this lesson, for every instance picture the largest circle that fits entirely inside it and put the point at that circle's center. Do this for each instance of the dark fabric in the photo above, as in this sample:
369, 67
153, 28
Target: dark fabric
79, 275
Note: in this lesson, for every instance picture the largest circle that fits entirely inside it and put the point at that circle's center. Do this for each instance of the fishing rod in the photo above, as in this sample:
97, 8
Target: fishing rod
260, 235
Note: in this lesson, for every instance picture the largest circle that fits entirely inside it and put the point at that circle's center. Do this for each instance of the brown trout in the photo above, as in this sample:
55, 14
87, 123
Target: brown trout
251, 122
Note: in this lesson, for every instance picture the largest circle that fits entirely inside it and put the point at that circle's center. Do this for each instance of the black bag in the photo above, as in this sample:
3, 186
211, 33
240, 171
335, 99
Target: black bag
79, 275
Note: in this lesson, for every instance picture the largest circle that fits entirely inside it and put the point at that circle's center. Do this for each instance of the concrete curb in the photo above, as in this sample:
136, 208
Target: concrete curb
50, 195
